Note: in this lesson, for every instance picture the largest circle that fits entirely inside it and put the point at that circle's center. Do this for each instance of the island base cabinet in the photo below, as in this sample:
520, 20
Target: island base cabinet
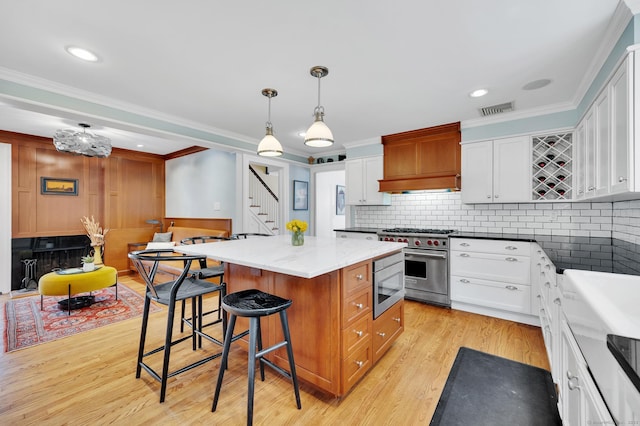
386, 329
356, 366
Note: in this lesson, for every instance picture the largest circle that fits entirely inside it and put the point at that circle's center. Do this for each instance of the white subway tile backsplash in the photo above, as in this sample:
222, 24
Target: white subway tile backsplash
445, 210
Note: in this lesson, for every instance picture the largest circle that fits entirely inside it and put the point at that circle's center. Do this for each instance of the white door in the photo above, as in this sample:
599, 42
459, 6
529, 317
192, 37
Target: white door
511, 170
620, 134
477, 172
602, 143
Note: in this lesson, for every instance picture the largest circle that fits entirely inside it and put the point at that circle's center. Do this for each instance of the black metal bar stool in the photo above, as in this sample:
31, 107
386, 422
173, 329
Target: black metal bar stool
255, 304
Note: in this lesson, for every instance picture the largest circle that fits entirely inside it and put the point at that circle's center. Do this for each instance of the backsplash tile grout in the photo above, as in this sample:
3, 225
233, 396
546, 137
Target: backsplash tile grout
620, 220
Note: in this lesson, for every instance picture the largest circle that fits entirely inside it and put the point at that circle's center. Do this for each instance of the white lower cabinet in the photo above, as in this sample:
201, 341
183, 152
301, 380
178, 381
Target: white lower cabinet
582, 404
492, 277
357, 235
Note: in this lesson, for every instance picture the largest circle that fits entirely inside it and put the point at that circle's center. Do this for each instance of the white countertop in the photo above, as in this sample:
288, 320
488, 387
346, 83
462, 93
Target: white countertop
317, 256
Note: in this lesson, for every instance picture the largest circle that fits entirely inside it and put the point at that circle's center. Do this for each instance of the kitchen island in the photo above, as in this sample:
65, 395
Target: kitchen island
334, 335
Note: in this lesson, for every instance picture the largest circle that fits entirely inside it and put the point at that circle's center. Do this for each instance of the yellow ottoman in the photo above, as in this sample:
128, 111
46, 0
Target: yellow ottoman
74, 281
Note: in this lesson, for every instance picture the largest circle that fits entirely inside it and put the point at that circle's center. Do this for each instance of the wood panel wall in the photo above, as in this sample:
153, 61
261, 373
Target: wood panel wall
121, 192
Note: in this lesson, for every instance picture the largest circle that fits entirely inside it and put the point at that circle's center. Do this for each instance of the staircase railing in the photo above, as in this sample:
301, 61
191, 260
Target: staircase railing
265, 200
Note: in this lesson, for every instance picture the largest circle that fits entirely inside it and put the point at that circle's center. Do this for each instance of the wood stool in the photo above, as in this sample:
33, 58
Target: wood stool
255, 304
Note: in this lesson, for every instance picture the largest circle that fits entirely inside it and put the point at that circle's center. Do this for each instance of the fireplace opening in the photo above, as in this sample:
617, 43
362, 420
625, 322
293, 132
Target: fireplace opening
31, 258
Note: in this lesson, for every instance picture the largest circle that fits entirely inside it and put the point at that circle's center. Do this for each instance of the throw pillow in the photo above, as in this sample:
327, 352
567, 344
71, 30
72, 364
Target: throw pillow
162, 237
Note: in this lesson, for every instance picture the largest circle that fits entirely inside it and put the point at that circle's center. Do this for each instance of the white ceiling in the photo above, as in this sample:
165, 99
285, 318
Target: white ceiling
202, 64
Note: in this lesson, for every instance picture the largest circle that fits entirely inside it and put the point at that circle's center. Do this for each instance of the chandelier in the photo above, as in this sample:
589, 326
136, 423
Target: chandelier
319, 134
82, 142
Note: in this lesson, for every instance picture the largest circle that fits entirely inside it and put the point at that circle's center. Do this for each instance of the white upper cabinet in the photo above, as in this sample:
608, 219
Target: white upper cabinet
621, 128
602, 143
496, 171
361, 180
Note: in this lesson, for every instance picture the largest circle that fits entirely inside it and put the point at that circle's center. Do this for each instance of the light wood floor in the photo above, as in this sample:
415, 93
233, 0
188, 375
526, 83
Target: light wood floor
89, 378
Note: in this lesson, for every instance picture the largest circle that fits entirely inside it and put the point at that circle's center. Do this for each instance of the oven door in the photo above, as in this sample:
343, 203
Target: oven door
427, 275
388, 287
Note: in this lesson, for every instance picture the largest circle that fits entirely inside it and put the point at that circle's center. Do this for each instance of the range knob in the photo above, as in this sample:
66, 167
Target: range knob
406, 240
429, 242
417, 243
436, 243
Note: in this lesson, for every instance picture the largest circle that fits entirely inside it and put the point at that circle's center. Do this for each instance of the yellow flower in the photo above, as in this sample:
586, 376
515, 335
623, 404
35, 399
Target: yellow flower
297, 225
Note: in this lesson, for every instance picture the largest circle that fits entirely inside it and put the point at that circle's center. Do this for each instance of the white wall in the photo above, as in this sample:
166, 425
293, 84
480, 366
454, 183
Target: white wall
5, 218
325, 205
201, 185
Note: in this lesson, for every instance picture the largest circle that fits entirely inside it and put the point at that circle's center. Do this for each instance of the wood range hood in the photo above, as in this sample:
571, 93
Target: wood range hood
422, 159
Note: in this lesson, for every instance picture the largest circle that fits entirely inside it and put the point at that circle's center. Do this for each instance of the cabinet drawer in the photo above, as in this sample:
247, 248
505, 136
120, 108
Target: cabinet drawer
356, 306
515, 248
355, 278
500, 295
355, 334
386, 329
355, 366
492, 267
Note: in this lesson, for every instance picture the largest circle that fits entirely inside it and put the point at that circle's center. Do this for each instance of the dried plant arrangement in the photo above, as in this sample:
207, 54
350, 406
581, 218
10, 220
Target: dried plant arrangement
94, 231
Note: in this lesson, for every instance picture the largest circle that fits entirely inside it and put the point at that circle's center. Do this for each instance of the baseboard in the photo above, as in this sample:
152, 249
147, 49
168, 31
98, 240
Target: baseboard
497, 313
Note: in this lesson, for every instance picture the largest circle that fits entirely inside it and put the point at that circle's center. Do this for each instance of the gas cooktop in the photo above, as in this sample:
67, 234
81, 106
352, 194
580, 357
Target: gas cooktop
418, 231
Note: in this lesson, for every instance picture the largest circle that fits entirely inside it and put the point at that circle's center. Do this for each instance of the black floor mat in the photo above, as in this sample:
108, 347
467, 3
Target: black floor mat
484, 389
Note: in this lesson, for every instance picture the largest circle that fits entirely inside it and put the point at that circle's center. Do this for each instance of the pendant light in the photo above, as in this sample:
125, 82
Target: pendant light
269, 145
83, 143
319, 135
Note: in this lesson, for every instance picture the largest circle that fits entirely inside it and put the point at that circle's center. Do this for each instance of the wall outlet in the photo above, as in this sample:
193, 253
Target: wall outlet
216, 206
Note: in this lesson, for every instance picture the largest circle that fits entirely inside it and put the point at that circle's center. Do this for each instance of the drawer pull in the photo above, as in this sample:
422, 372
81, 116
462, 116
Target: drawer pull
511, 259
622, 179
358, 332
397, 320
359, 364
464, 245
381, 334
547, 284
557, 301
359, 305
511, 287
360, 277
343, 236
547, 266
464, 280
511, 248
464, 255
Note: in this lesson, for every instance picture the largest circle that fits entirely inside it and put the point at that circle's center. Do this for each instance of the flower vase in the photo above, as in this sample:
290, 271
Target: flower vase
297, 238
97, 256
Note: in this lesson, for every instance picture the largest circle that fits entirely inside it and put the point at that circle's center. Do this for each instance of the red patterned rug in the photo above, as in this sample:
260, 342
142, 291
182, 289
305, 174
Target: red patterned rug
26, 325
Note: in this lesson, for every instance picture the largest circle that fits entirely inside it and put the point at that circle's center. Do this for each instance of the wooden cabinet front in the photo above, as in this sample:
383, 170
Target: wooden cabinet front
422, 159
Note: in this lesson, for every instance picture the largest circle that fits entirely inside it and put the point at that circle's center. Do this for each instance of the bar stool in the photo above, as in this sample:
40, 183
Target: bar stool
255, 304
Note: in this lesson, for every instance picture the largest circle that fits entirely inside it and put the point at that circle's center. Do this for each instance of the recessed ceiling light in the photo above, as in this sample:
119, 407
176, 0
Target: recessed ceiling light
537, 84
478, 93
140, 145
302, 134
81, 53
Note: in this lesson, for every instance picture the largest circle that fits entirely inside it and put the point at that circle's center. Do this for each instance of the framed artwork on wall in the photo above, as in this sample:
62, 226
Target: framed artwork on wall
300, 195
58, 186
340, 200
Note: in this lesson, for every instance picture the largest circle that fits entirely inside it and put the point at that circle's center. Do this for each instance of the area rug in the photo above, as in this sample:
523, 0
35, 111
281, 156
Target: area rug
26, 325
484, 389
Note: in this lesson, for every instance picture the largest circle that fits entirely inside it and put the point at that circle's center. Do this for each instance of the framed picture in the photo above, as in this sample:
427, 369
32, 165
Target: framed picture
57, 186
340, 200
300, 195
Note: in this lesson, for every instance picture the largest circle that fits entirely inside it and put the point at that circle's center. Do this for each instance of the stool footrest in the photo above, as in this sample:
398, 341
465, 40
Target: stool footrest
278, 369
271, 349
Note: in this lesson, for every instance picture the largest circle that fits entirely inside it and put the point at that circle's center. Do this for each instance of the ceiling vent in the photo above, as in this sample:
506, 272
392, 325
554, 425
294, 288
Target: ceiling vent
496, 109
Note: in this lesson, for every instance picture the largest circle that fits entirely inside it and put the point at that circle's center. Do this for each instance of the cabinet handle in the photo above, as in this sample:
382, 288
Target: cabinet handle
591, 188
381, 334
359, 332
359, 364
547, 266
464, 255
397, 320
511, 248
581, 192
496, 196
359, 277
547, 284
369, 238
464, 245
539, 296
464, 280
557, 301
343, 236
510, 259
511, 287
488, 196
622, 179
359, 305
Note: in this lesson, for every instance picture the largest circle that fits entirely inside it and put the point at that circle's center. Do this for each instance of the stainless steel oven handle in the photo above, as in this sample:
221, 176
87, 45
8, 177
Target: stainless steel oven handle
414, 254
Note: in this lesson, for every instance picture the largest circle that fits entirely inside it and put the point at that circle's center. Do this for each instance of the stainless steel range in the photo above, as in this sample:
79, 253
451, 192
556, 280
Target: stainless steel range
426, 263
